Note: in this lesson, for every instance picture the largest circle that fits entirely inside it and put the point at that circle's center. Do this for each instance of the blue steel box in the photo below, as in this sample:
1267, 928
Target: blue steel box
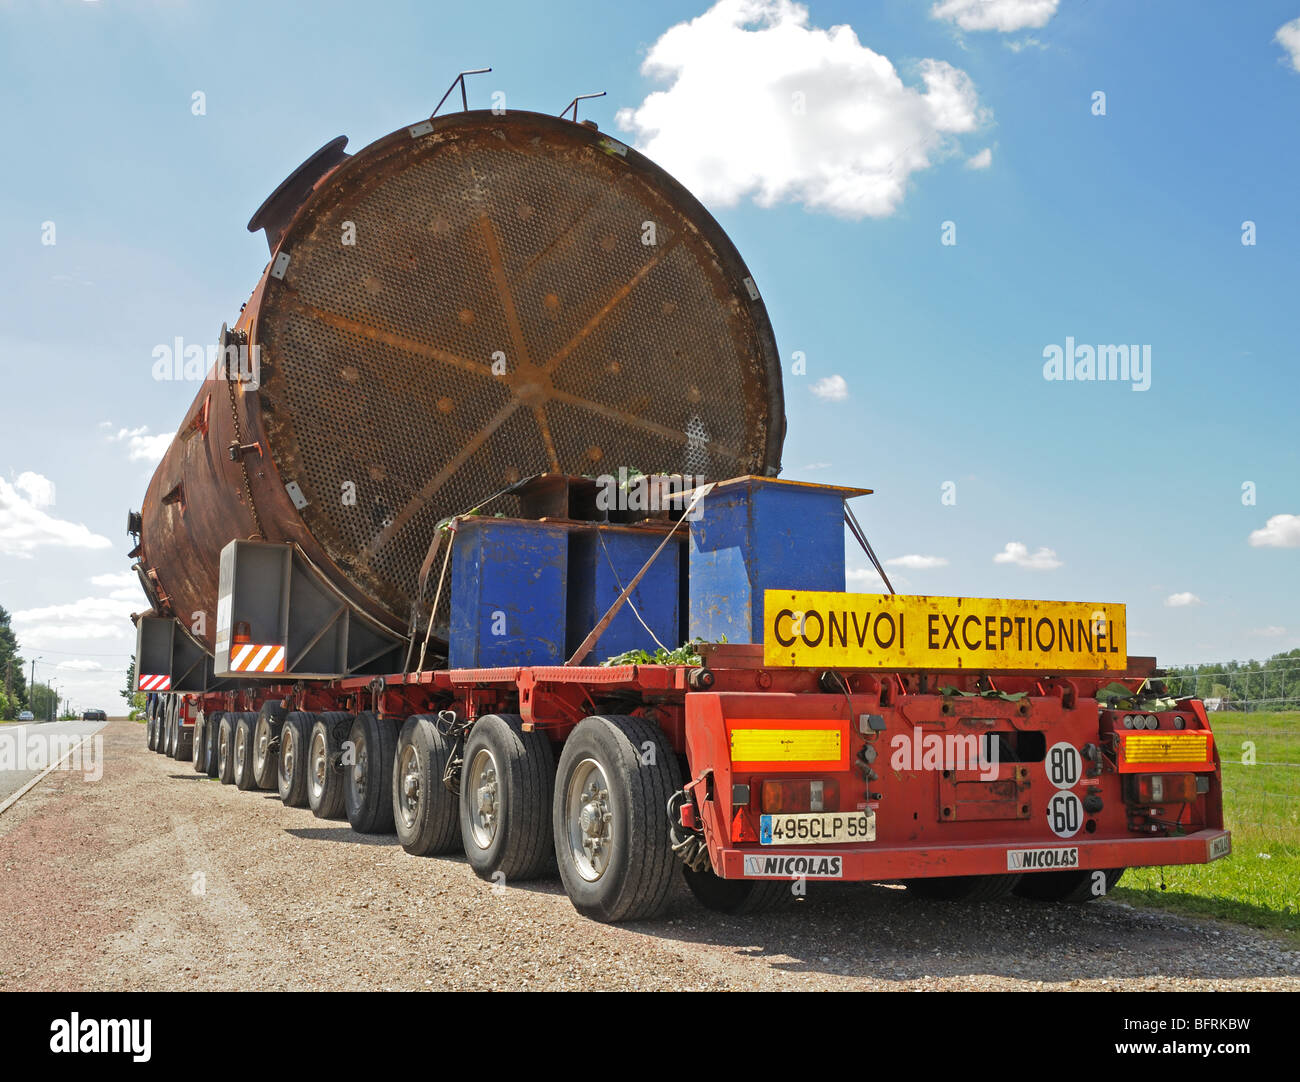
509, 578
598, 575
761, 533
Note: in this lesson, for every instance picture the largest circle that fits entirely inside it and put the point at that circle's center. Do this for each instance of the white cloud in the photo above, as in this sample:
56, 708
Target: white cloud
44, 634
1288, 36
862, 574
1017, 553
88, 608
25, 526
832, 388
914, 562
39, 490
1003, 15
88, 618
142, 447
115, 579
762, 104
122, 585
1280, 532
81, 665
817, 466
1182, 600
1270, 632
982, 160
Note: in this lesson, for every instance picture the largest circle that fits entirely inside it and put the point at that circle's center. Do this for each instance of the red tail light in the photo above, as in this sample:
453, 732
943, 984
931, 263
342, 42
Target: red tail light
1160, 788
810, 795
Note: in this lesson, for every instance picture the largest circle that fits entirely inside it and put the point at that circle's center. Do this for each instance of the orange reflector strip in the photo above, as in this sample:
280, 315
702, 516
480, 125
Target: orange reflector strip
785, 745
254, 658
1166, 747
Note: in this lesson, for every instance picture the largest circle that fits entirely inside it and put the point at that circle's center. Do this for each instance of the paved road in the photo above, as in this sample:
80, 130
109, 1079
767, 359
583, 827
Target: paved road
26, 749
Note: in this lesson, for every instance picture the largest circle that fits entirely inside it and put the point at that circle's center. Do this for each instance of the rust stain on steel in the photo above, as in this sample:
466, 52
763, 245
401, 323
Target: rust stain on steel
518, 234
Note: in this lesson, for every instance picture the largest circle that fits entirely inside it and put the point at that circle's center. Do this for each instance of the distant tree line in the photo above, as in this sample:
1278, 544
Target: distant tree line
1272, 684
13, 690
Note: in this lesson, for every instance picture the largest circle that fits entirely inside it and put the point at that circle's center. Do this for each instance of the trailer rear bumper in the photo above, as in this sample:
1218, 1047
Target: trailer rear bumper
871, 862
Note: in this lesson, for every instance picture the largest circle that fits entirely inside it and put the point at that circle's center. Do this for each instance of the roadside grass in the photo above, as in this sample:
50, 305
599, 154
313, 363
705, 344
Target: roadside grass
1259, 883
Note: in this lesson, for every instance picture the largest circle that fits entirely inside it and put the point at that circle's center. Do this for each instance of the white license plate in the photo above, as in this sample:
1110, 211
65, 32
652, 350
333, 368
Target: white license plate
817, 828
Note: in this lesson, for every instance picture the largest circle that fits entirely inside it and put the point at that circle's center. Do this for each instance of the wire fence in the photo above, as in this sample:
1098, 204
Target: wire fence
1274, 688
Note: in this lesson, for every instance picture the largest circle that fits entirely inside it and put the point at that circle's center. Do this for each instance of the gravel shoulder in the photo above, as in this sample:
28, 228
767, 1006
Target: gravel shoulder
157, 878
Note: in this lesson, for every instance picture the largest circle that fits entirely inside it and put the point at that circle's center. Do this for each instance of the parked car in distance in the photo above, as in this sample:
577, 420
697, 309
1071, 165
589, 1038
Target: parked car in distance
26, 715
94, 715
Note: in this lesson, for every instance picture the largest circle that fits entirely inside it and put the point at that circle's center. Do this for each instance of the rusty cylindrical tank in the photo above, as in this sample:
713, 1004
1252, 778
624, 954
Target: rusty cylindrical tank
464, 303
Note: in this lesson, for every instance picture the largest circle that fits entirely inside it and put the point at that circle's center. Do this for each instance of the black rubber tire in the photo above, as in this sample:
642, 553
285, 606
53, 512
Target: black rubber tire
738, 897
368, 775
226, 749
519, 845
169, 727
324, 778
245, 724
965, 888
428, 823
1073, 887
635, 882
211, 733
151, 729
266, 732
291, 763
184, 749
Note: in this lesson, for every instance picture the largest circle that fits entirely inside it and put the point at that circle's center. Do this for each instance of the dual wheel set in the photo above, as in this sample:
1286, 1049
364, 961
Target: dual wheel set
165, 732
598, 815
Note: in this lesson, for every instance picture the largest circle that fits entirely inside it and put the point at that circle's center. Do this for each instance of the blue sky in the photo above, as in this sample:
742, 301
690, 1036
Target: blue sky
1116, 228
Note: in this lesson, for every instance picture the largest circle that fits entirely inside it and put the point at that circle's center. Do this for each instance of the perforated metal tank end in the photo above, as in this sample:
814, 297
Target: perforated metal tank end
463, 304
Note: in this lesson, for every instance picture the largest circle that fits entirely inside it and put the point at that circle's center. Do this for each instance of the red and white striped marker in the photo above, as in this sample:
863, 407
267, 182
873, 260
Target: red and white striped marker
153, 683
250, 657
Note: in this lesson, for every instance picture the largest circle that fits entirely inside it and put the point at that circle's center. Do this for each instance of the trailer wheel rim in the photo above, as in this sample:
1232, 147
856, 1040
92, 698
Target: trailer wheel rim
319, 764
360, 761
408, 799
223, 749
589, 820
239, 757
286, 755
485, 797
261, 747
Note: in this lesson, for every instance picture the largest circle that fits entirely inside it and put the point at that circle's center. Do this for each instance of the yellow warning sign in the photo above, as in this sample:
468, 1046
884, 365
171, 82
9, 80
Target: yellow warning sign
881, 631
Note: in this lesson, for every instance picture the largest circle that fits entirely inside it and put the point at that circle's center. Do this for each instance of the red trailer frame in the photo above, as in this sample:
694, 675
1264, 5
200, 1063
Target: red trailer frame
932, 816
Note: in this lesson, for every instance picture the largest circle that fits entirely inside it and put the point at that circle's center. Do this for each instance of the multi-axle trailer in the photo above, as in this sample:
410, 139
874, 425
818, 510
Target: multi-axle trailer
746, 769
462, 445
626, 775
